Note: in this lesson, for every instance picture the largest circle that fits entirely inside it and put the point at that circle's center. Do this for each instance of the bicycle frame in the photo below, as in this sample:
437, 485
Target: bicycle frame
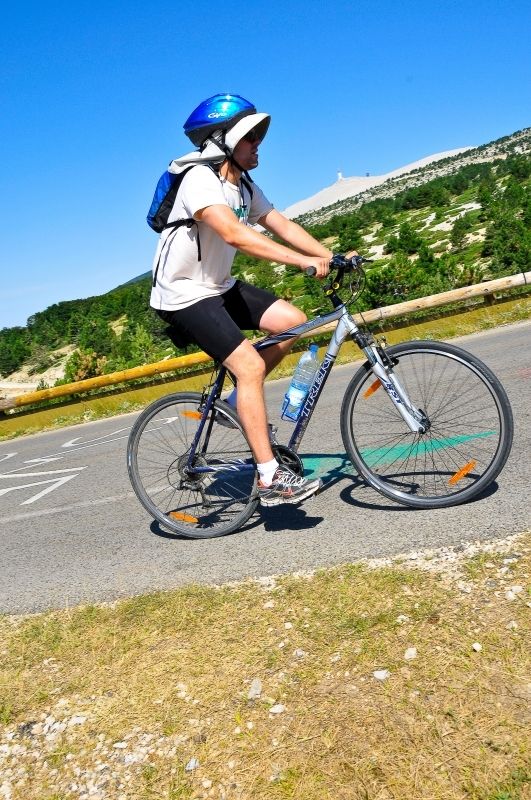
346, 327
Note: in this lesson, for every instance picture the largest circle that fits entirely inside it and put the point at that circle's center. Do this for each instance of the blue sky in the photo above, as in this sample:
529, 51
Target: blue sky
94, 94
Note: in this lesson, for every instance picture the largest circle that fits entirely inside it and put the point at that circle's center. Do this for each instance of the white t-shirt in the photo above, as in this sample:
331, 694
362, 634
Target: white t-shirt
183, 279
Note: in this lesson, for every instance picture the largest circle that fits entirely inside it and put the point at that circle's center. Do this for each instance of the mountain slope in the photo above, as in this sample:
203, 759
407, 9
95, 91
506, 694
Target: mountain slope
516, 144
348, 187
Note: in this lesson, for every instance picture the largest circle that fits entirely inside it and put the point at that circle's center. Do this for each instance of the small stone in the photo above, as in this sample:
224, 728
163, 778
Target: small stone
477, 647
192, 764
77, 720
120, 745
288, 625
255, 689
512, 625
207, 784
381, 674
278, 708
410, 654
299, 653
269, 604
464, 587
402, 618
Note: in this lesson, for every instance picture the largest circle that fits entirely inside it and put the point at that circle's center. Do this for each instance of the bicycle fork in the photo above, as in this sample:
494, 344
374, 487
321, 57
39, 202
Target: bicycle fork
382, 367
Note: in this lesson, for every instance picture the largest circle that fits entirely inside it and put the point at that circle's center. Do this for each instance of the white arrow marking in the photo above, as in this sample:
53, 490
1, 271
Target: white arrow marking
55, 482
43, 460
73, 442
32, 461
7, 455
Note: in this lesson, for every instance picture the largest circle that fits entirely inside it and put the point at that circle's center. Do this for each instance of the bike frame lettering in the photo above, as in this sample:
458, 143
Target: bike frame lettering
346, 327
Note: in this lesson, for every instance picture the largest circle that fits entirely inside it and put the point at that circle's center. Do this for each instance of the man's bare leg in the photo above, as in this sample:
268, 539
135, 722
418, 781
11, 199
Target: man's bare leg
276, 485
250, 370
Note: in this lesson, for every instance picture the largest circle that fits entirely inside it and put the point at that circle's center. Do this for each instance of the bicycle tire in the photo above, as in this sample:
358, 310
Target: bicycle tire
466, 446
203, 506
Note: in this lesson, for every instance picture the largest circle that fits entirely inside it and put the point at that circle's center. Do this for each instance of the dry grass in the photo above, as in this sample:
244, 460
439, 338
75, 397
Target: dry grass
167, 677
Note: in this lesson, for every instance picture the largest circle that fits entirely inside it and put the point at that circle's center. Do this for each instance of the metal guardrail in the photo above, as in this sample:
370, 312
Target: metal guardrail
173, 364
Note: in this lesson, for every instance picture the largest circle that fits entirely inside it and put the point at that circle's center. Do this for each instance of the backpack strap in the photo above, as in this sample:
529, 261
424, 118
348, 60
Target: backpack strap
247, 181
169, 239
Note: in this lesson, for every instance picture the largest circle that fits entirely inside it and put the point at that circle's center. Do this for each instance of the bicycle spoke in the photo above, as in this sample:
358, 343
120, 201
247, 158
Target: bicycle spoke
469, 434
214, 500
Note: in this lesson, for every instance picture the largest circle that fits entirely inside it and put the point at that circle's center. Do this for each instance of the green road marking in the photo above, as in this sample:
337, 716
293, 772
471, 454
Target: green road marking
385, 455
339, 464
326, 465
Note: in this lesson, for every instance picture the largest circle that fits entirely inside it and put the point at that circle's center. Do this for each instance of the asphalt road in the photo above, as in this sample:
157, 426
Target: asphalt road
72, 531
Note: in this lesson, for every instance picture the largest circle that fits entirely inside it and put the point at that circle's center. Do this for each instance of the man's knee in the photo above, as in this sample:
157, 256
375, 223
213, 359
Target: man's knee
246, 364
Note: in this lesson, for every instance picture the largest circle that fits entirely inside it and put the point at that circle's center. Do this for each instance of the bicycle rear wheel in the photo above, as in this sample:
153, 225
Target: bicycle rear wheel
470, 433
198, 505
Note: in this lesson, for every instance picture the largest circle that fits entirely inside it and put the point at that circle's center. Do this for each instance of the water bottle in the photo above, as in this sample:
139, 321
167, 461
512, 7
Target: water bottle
300, 384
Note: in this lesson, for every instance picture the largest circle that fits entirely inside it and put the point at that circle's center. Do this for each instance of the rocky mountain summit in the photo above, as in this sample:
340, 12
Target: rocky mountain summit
347, 194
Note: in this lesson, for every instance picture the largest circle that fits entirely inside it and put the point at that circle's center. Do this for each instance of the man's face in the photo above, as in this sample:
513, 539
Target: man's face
246, 151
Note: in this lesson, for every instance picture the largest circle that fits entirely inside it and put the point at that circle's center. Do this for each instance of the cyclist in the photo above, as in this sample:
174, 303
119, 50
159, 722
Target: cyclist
193, 289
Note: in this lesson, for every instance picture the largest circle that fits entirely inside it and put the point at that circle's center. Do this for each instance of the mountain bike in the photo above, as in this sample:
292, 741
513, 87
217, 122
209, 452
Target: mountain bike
424, 423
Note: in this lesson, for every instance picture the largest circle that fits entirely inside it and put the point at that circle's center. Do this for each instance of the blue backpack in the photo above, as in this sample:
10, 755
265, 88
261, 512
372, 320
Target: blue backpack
164, 199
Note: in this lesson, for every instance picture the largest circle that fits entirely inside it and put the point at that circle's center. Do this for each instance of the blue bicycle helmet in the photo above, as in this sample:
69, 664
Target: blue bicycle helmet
221, 113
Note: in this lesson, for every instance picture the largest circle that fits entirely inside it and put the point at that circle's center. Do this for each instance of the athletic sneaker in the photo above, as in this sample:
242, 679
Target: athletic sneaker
287, 487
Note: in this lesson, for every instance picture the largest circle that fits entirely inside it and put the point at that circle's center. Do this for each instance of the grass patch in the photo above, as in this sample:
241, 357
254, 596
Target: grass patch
150, 697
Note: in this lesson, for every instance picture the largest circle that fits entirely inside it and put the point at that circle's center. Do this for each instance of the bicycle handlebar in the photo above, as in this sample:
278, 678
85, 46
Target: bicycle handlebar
341, 262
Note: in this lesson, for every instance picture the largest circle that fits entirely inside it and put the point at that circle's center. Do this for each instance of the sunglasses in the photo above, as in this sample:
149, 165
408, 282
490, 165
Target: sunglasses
252, 136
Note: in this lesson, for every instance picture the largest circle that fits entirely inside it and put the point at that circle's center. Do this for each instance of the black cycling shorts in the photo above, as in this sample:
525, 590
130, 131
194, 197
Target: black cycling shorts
216, 323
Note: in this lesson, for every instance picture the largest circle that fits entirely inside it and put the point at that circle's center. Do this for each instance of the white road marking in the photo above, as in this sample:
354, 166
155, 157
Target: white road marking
73, 442
54, 482
63, 509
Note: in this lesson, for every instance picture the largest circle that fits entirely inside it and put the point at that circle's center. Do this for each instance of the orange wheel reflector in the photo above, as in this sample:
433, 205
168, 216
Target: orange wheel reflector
191, 414
372, 388
462, 472
182, 517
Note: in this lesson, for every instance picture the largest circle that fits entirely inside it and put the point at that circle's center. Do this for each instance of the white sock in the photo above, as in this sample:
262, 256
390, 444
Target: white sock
231, 399
266, 471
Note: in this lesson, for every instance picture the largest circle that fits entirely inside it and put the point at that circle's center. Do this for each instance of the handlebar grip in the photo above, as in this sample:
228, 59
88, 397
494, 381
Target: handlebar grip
310, 271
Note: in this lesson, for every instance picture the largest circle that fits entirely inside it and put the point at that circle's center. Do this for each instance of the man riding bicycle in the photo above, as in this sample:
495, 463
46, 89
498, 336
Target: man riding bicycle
192, 286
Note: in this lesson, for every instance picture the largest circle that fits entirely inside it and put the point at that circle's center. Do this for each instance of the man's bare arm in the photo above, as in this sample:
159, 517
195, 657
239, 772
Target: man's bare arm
223, 221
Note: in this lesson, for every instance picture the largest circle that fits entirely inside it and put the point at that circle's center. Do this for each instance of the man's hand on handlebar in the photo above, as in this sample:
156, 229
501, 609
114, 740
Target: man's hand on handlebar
319, 267
352, 261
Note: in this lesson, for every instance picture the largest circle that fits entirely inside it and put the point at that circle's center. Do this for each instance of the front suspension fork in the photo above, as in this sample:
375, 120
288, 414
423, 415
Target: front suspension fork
382, 367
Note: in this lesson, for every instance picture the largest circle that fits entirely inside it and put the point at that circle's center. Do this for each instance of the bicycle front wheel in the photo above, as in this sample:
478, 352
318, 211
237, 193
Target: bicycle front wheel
470, 427
217, 499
